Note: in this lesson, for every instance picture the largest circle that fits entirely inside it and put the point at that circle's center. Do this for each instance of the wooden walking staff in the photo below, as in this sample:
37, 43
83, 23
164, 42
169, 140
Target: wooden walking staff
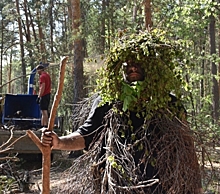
46, 150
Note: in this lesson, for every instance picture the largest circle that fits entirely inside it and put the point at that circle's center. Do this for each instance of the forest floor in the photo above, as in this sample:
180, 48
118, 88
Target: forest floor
61, 163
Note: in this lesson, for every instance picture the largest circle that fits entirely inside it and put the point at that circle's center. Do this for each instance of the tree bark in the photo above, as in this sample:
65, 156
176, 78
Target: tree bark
147, 10
2, 44
219, 52
28, 32
215, 92
75, 14
23, 65
41, 37
103, 24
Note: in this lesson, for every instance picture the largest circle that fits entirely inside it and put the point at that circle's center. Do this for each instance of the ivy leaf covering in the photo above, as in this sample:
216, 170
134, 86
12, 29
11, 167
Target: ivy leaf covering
161, 60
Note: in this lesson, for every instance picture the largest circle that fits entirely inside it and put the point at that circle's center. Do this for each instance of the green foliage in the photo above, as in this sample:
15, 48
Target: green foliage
114, 164
6, 182
161, 60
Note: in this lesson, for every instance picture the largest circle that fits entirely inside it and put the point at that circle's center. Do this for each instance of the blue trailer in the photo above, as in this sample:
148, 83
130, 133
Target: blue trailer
21, 112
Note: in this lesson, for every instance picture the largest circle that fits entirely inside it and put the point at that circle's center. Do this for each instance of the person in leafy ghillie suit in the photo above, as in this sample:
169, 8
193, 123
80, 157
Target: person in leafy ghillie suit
136, 134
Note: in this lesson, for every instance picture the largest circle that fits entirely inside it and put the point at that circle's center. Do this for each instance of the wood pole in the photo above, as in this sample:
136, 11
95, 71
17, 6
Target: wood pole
46, 150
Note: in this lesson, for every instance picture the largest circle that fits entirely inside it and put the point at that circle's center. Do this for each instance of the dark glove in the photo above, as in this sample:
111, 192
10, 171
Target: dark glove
38, 100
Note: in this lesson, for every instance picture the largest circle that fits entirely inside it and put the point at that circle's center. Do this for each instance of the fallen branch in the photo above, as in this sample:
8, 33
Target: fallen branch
8, 145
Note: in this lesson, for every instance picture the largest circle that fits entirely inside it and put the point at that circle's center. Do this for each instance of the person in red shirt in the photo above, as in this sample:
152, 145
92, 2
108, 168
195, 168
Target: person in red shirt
44, 94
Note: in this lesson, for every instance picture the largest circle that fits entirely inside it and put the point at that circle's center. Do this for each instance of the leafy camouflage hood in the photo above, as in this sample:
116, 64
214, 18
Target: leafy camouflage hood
161, 60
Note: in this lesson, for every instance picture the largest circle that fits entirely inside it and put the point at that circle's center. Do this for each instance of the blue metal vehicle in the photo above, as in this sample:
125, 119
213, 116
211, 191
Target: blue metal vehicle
21, 112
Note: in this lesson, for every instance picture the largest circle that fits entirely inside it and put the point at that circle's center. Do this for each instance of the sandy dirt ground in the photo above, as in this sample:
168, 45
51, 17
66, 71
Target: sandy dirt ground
60, 163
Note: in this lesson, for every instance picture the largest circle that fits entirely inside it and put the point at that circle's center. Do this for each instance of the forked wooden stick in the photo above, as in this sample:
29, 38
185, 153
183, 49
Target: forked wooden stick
46, 150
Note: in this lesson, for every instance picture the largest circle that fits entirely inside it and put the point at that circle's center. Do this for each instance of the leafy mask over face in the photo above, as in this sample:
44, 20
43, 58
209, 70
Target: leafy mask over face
159, 63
